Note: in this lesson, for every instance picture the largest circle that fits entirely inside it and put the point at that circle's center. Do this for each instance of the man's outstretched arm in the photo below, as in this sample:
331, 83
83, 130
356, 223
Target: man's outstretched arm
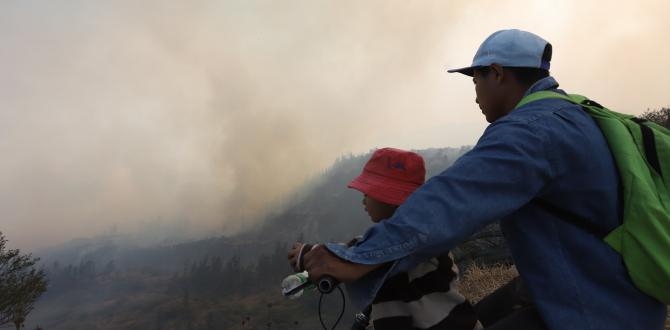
319, 261
506, 169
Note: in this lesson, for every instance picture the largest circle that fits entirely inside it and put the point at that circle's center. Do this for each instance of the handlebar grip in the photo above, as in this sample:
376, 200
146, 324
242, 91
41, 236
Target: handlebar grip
327, 284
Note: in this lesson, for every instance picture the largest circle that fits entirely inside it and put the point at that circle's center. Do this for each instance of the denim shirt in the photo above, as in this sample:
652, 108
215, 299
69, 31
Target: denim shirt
549, 151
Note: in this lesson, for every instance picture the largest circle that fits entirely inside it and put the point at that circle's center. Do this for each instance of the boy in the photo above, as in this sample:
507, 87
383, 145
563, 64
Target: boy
425, 297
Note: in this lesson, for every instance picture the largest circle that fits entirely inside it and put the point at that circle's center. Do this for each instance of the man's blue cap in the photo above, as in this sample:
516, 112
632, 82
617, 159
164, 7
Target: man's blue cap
511, 48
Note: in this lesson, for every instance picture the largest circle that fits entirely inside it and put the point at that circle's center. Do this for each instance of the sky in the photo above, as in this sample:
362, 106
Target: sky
198, 117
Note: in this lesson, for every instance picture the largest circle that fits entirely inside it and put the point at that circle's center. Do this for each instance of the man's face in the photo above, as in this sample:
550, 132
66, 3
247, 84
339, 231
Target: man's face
488, 90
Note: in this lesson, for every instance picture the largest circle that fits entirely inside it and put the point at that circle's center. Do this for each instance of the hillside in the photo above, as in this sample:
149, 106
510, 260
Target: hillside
323, 210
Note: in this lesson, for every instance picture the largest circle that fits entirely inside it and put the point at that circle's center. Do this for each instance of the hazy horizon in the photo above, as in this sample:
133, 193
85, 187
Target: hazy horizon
198, 115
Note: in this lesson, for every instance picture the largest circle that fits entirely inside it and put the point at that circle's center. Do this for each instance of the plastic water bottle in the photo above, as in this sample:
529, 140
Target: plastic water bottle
295, 284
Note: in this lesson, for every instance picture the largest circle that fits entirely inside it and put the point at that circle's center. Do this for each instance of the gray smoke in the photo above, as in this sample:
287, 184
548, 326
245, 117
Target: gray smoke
204, 115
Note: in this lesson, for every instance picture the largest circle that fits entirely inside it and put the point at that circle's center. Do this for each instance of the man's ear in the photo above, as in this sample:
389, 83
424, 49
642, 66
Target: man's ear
497, 71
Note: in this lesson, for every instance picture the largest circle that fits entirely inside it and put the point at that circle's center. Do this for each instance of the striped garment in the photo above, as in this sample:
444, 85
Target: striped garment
424, 298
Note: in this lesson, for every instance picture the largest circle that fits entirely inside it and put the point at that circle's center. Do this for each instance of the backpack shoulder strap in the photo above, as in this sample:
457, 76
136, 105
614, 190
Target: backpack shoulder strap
573, 218
564, 214
592, 107
595, 109
572, 98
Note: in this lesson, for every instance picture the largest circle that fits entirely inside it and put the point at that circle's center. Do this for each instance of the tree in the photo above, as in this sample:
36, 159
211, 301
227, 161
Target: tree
660, 116
21, 284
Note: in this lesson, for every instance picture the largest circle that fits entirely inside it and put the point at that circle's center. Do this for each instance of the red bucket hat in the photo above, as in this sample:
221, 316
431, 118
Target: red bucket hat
391, 175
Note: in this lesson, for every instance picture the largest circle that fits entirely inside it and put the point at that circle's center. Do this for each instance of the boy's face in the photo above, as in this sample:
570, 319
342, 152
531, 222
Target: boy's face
377, 210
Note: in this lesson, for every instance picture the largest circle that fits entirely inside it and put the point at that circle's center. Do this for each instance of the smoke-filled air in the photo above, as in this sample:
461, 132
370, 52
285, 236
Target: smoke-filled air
199, 117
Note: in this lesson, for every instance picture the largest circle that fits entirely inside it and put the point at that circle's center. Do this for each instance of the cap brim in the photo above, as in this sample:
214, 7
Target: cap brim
469, 71
381, 188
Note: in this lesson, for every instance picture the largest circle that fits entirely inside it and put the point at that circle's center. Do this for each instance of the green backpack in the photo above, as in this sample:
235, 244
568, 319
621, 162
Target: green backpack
641, 150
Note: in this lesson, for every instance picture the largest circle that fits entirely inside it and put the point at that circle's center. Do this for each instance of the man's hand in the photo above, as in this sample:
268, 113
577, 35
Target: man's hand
319, 261
293, 255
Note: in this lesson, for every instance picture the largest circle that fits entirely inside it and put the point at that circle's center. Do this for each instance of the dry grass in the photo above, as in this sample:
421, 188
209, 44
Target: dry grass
477, 282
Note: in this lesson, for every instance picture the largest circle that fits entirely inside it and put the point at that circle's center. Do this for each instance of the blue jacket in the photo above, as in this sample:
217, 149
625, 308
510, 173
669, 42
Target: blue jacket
549, 150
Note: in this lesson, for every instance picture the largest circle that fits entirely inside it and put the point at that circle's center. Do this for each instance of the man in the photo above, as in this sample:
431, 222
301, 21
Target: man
532, 166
